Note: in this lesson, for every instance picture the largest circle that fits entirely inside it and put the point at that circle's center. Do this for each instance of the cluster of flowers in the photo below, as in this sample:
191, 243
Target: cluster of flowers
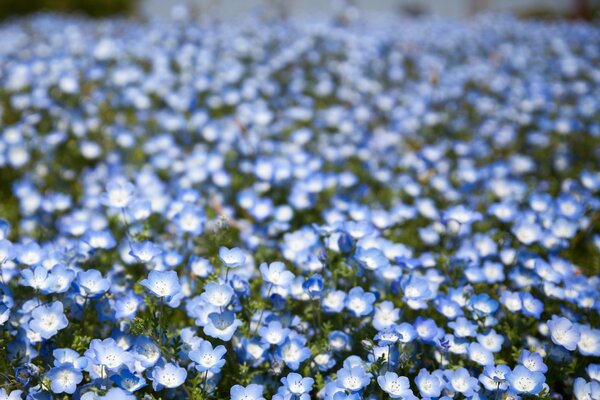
407, 209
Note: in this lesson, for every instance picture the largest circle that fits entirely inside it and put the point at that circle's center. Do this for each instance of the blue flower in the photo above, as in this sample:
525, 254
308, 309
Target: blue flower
208, 358
12, 395
232, 258
167, 376
524, 381
64, 356
463, 327
276, 274
563, 332
483, 304
293, 352
296, 385
353, 379
128, 381
118, 194
107, 354
250, 392
164, 285
334, 301
222, 325
460, 381
314, 286
273, 333
396, 386
371, 258
493, 377
48, 319
91, 284
429, 385
533, 361
219, 295
145, 252
359, 302
127, 305
64, 379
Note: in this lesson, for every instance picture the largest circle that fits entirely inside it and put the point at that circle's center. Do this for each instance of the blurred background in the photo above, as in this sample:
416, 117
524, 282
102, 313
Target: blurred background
224, 9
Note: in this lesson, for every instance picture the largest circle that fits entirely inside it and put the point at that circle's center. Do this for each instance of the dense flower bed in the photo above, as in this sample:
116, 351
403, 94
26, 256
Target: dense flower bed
401, 209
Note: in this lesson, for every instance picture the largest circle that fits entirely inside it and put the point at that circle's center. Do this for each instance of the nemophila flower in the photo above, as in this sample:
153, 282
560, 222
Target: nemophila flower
324, 361
250, 392
91, 284
415, 290
145, 251
29, 254
60, 279
276, 274
480, 355
589, 341
108, 354
491, 340
371, 258
190, 220
511, 300
127, 306
532, 361
493, 377
208, 358
164, 285
7, 251
297, 386
426, 329
406, 331
128, 381
394, 385
64, 379
145, 351
12, 395
100, 239
232, 258
387, 336
219, 295
460, 381
293, 352
274, 333
36, 278
359, 302
334, 301
583, 390
353, 379
48, 319
167, 376
563, 332
458, 218
314, 286
527, 232
593, 371
112, 394
339, 340
118, 194
222, 325
429, 385
200, 266
524, 381
483, 304
532, 307
64, 356
463, 327
386, 315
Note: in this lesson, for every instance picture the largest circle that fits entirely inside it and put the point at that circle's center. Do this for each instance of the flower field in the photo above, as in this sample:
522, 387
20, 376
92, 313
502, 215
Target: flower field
405, 209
